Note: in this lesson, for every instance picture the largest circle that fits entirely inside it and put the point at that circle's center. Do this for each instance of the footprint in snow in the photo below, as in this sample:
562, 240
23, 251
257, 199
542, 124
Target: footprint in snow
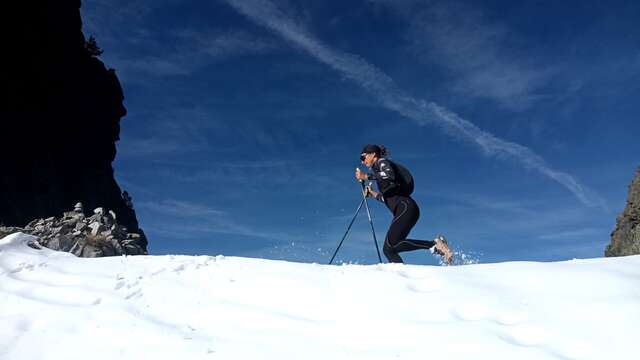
159, 271
21, 267
526, 335
572, 349
133, 288
404, 274
133, 284
510, 318
471, 312
424, 286
119, 285
137, 293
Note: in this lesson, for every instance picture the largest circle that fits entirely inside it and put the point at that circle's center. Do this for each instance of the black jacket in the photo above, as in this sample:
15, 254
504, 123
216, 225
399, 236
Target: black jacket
384, 174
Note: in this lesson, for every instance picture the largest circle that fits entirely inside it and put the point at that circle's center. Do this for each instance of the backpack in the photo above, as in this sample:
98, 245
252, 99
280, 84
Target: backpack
404, 178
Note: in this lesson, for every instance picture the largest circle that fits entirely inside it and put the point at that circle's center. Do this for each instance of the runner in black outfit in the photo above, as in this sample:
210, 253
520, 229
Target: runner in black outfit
405, 210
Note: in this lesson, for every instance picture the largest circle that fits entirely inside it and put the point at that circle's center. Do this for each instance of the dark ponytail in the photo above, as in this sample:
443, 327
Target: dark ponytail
384, 152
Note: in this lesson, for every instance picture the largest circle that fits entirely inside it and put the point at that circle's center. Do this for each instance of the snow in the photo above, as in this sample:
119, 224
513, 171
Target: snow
56, 306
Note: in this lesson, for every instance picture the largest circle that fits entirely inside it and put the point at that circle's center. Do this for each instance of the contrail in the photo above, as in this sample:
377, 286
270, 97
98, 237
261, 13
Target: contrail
383, 88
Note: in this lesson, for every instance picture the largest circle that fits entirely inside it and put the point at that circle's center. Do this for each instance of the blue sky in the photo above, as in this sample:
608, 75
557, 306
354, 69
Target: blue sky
518, 120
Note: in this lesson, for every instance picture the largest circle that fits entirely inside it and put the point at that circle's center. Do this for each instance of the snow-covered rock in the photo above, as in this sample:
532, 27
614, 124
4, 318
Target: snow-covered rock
94, 236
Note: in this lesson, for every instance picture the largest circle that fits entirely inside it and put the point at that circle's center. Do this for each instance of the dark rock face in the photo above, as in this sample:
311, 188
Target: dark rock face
61, 121
625, 239
94, 236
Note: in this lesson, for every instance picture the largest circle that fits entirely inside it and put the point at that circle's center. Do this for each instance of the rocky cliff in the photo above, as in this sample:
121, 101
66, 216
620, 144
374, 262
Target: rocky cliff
61, 121
625, 239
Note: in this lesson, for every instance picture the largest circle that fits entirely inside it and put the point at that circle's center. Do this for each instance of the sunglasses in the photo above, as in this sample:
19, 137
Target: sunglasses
362, 156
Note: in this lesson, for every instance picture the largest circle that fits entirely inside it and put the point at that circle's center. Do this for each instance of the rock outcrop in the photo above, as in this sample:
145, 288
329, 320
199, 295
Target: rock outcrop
625, 239
61, 119
95, 236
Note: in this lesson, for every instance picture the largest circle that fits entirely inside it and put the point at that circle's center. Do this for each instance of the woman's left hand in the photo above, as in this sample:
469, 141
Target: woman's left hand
368, 191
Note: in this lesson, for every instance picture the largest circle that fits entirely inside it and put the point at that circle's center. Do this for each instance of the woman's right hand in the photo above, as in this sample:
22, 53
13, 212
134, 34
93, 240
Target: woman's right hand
360, 175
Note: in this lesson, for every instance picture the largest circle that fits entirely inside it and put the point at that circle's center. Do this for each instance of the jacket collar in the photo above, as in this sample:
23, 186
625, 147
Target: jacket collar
377, 163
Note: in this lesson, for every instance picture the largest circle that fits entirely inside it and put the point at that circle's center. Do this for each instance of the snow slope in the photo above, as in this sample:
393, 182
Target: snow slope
56, 306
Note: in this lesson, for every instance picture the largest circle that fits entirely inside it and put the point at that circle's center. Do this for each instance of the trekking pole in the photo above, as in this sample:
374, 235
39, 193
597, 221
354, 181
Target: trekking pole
345, 234
366, 204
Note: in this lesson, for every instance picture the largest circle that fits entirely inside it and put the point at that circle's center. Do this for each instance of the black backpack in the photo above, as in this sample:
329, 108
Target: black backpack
403, 178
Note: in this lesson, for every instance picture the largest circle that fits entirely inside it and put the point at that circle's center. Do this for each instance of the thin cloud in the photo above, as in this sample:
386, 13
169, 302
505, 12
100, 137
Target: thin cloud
383, 88
154, 147
185, 217
196, 49
178, 208
171, 130
588, 232
161, 52
284, 174
224, 44
472, 202
478, 52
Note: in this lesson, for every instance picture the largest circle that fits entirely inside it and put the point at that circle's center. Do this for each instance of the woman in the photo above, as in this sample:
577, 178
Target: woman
396, 195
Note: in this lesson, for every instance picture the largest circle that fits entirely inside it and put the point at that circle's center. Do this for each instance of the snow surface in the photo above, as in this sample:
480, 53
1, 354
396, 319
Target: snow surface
57, 306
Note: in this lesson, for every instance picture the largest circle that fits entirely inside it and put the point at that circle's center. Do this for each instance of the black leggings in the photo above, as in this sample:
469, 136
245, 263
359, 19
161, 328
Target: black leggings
405, 215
